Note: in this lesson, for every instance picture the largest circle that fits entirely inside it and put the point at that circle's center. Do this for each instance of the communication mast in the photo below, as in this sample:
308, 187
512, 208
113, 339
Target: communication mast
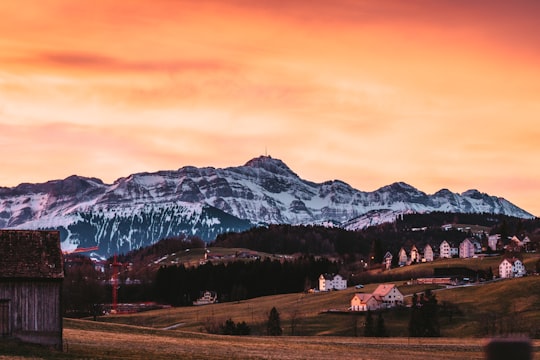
115, 266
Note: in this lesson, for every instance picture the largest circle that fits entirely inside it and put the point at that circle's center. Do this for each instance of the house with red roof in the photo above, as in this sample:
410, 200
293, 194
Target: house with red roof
385, 296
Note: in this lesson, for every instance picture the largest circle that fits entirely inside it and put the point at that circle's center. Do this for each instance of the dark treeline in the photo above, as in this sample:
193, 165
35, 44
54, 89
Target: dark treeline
178, 285
439, 218
289, 239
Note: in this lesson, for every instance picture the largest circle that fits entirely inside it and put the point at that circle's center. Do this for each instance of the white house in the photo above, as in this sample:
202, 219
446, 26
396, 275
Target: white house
402, 257
466, 249
444, 250
388, 296
428, 253
511, 267
387, 260
385, 296
329, 282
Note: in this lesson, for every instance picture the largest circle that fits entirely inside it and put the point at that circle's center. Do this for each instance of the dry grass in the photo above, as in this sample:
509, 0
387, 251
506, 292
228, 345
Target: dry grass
124, 342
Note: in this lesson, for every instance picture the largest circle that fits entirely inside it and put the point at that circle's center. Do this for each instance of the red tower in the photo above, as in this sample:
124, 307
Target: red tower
115, 266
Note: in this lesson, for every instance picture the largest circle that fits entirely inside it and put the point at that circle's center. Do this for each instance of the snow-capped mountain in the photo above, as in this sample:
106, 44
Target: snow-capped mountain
142, 208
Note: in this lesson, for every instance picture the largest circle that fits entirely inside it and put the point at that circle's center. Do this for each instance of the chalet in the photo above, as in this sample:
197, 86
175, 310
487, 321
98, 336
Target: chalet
385, 296
31, 275
511, 267
428, 253
387, 260
329, 282
466, 249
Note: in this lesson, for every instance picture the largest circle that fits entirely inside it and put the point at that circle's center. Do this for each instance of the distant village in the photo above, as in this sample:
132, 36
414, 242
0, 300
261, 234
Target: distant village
388, 296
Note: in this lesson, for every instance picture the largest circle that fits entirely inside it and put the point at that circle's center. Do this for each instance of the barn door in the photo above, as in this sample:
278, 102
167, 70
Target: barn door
4, 318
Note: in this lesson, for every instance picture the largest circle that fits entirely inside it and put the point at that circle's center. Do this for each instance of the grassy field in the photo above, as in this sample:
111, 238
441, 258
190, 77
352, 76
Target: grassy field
95, 340
145, 337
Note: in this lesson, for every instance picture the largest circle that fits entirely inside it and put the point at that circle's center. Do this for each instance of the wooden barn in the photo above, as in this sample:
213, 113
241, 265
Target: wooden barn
31, 275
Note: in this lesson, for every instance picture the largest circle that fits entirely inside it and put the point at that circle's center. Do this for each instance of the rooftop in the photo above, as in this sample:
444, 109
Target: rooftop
30, 254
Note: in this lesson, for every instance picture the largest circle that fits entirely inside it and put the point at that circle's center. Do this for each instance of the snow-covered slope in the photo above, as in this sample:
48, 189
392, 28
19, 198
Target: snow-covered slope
142, 208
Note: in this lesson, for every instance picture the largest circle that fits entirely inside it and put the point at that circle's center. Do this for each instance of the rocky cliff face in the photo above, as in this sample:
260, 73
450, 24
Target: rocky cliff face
142, 208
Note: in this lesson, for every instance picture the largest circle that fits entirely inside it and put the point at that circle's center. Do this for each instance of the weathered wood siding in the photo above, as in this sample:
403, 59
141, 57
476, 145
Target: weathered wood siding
34, 310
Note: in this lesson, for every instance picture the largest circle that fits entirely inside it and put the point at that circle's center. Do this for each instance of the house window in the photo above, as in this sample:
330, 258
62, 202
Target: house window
4, 318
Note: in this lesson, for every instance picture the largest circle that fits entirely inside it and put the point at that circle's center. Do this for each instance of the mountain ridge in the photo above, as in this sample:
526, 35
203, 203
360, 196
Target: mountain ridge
142, 208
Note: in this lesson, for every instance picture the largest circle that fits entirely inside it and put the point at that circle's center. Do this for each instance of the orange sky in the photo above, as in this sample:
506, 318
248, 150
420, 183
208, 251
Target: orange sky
438, 94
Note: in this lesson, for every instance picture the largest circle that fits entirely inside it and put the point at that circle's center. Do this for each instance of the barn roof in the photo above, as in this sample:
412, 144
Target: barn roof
30, 254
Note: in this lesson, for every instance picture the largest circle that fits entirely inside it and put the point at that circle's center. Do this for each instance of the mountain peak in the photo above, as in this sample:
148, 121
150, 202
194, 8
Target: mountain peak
399, 186
270, 164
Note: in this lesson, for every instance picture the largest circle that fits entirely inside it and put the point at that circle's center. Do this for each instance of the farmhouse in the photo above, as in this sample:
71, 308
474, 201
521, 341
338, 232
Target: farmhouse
31, 275
364, 302
511, 267
385, 296
388, 295
329, 282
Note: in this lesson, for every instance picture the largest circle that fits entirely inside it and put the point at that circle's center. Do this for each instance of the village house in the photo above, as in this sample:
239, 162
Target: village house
387, 260
31, 275
511, 267
364, 302
493, 241
389, 295
477, 246
454, 251
415, 256
444, 250
385, 296
428, 254
402, 257
466, 249
329, 282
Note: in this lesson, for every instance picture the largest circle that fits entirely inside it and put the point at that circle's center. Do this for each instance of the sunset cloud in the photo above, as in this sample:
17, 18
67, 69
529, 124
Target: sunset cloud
437, 94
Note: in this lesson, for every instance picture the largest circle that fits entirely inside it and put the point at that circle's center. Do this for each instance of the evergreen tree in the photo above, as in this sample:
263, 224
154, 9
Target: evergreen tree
430, 314
424, 320
489, 274
229, 328
414, 321
368, 328
243, 328
380, 329
273, 326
